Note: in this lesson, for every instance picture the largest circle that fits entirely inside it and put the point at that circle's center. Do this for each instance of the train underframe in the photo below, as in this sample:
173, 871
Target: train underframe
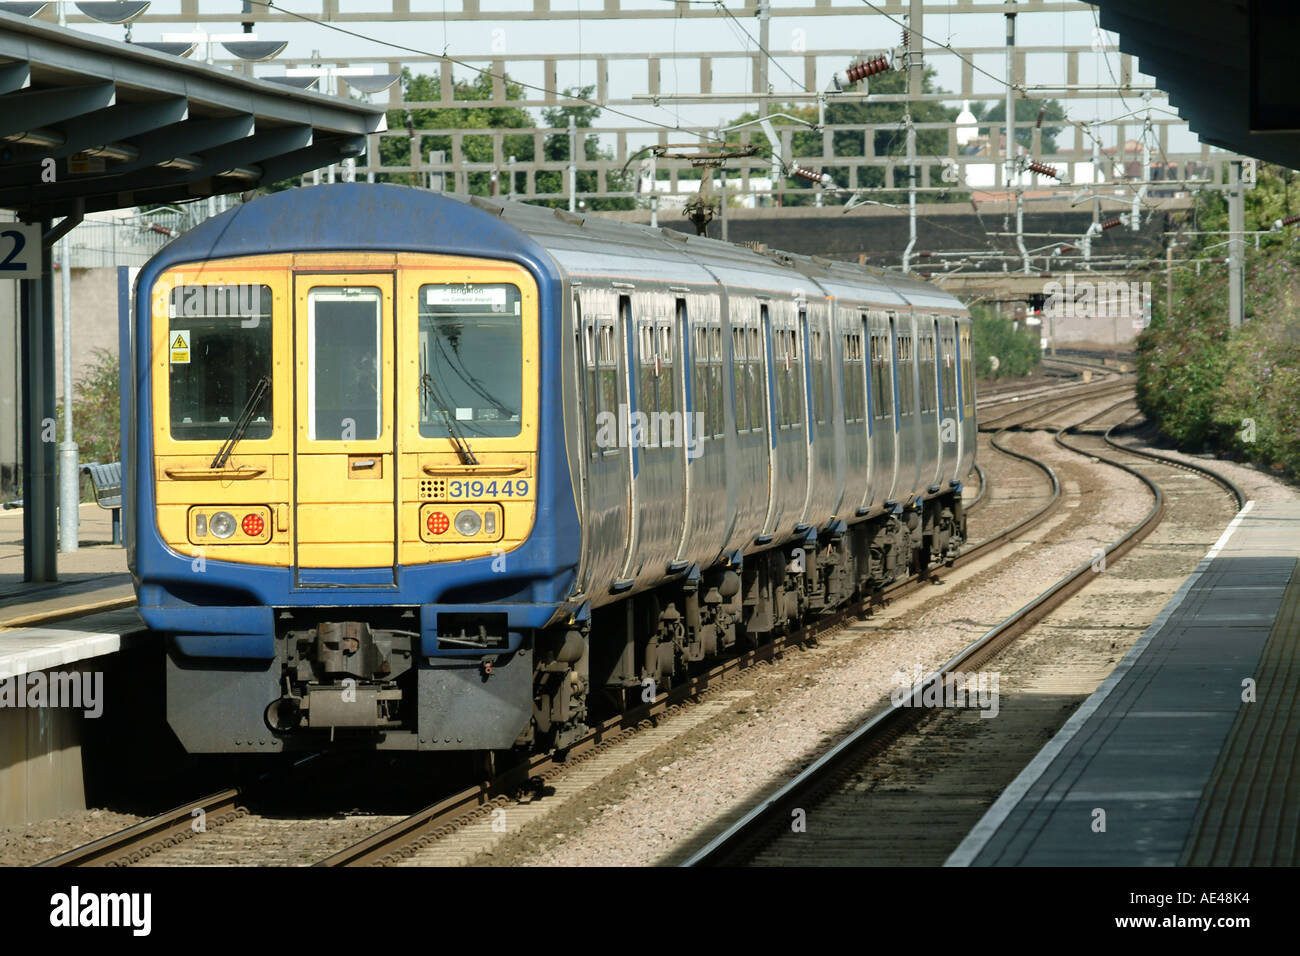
366, 682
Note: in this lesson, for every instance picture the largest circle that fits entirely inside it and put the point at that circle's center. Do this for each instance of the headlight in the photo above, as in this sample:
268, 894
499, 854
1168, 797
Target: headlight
222, 524
468, 522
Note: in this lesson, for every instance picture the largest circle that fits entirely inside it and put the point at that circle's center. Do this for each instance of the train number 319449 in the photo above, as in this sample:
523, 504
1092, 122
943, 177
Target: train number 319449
487, 489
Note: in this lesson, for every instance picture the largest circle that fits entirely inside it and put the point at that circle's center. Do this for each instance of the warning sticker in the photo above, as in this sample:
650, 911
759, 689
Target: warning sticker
180, 346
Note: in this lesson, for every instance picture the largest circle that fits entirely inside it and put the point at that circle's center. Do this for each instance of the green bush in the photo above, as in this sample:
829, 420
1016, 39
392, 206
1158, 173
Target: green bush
96, 413
1018, 352
1204, 386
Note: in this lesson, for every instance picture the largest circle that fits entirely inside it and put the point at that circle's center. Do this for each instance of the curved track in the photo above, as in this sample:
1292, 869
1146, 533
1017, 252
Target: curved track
770, 819
404, 838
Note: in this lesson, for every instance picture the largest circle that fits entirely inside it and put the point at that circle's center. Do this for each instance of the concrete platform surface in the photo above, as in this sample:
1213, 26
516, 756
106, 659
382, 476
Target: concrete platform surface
93, 575
1184, 753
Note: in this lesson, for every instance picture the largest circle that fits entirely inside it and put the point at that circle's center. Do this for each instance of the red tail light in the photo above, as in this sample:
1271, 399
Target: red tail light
438, 523
253, 525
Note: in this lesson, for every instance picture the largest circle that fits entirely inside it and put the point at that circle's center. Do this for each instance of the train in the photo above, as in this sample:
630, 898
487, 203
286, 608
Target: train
427, 472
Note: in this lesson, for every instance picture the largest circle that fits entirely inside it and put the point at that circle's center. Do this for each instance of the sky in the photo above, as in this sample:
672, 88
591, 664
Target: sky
858, 29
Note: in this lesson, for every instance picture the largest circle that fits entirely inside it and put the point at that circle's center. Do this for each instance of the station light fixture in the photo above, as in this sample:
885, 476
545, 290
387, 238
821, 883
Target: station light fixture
179, 48
245, 46
114, 11
23, 9
118, 152
47, 138
185, 163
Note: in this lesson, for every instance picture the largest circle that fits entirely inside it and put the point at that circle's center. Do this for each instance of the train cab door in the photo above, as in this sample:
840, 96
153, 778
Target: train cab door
344, 464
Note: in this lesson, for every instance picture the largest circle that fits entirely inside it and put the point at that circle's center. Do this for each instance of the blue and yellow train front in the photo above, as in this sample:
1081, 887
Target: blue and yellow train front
351, 519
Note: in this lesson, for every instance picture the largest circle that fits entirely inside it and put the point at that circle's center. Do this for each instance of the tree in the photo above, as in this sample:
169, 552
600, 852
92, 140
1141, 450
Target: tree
556, 149
393, 151
889, 140
1026, 120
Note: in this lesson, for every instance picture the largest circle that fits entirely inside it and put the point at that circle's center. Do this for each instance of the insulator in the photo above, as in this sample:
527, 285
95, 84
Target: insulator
1042, 111
860, 71
1043, 169
812, 175
1112, 223
1291, 220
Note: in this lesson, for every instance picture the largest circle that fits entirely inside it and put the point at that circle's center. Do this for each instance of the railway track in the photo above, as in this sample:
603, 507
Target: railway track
138, 842
461, 809
829, 774
404, 839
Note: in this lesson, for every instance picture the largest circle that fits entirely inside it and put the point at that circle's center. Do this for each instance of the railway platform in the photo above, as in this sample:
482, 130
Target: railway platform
92, 578
1184, 755
53, 637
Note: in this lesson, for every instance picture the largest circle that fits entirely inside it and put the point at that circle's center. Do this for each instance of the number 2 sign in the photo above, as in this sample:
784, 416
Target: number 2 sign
20, 250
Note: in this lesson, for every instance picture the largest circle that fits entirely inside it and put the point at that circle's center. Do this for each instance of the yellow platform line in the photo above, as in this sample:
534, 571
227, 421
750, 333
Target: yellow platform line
63, 614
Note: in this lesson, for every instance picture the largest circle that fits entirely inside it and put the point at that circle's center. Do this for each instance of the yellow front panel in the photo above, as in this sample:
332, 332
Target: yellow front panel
258, 473
430, 466
335, 500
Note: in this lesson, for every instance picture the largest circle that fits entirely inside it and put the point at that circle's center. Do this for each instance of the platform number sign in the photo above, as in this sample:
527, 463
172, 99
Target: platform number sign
20, 250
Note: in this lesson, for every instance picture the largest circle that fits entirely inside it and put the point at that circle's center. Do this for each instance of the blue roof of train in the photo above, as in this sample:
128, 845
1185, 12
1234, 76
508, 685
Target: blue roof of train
347, 216
352, 216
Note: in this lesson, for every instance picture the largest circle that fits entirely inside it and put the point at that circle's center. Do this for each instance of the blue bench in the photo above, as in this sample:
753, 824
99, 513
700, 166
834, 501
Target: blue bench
107, 483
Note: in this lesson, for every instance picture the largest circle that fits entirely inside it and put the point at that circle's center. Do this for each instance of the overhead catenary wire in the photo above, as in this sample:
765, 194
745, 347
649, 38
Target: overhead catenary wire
723, 9
482, 71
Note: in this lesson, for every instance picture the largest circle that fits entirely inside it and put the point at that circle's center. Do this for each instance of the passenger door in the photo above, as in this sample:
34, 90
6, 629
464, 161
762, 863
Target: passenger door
345, 475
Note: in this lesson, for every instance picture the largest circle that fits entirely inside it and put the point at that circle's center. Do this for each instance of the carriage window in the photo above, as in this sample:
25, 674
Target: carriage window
967, 383
219, 346
471, 359
906, 376
949, 373
740, 391
700, 378
606, 374
754, 377
589, 373
883, 375
717, 423
925, 349
344, 380
819, 377
855, 394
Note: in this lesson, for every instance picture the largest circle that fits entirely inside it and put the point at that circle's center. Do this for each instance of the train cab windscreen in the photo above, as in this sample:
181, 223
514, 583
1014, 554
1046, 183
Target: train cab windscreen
471, 360
218, 348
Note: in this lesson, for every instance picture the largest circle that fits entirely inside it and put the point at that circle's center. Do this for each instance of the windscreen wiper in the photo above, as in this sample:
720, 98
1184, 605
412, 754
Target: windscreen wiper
453, 428
241, 424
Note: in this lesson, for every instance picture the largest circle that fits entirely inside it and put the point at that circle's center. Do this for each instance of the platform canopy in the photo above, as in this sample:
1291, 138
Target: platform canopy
1228, 66
126, 125
89, 124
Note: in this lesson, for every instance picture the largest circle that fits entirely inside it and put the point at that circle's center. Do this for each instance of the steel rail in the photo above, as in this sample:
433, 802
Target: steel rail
134, 843
739, 840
